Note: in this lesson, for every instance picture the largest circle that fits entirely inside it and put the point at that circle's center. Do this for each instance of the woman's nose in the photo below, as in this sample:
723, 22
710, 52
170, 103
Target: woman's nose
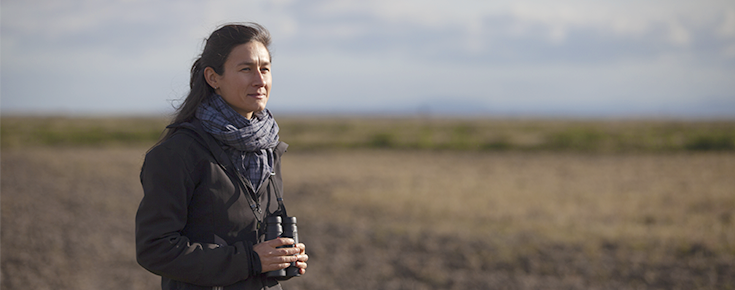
260, 80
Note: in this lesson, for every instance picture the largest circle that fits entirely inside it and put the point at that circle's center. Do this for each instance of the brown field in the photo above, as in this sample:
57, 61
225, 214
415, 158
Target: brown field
405, 219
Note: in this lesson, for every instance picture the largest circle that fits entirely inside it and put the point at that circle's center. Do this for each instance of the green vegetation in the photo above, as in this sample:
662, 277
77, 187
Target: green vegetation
60, 131
520, 135
407, 133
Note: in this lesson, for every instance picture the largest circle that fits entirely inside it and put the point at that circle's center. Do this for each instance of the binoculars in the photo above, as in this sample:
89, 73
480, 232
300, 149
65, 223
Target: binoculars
282, 228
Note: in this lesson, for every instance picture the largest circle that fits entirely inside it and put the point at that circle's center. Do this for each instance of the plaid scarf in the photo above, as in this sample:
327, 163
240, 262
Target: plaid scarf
250, 143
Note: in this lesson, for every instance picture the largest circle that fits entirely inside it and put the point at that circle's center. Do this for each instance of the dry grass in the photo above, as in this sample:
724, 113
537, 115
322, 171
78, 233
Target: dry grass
566, 197
68, 219
393, 219
428, 220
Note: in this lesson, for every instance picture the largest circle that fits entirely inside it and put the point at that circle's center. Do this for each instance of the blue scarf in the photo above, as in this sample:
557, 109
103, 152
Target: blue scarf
250, 143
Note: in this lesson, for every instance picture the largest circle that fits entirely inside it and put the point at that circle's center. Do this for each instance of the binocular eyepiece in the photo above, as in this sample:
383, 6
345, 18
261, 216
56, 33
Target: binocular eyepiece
282, 228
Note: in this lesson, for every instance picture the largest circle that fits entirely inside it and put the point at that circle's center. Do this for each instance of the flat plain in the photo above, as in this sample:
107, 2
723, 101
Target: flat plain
388, 216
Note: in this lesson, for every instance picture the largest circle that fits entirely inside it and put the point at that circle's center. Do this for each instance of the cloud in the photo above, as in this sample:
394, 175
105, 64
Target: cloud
341, 55
510, 31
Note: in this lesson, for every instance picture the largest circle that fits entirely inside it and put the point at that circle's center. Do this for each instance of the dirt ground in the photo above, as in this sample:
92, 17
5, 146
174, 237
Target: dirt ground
405, 219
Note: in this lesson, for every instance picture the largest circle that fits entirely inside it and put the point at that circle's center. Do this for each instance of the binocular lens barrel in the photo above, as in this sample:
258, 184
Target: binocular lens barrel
273, 228
291, 231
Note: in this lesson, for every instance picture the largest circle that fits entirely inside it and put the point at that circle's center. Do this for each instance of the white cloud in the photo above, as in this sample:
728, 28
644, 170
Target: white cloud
346, 53
727, 28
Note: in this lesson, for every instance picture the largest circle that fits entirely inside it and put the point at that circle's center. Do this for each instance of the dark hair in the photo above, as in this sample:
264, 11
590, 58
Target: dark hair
216, 50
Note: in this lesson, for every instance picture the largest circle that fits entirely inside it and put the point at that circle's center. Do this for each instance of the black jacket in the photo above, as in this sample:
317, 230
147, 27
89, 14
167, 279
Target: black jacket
199, 219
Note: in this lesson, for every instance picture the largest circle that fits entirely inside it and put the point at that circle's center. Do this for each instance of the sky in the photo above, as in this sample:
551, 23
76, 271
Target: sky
657, 58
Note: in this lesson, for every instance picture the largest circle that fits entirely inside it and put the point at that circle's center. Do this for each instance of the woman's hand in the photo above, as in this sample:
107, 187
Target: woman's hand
273, 258
302, 258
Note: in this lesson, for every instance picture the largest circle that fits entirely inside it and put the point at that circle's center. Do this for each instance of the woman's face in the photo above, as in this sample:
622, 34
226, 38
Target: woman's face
245, 83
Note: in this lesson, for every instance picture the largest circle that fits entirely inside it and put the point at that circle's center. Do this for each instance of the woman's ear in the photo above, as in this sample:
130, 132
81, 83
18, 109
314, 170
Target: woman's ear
211, 77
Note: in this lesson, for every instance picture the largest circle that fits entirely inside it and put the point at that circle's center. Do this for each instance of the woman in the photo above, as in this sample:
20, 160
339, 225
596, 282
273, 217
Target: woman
215, 177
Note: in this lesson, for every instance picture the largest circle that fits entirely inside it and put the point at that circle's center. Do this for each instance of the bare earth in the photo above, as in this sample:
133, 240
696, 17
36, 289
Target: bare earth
405, 219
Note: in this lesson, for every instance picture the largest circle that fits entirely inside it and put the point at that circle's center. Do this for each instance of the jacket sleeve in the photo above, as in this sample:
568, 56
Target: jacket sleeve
168, 186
